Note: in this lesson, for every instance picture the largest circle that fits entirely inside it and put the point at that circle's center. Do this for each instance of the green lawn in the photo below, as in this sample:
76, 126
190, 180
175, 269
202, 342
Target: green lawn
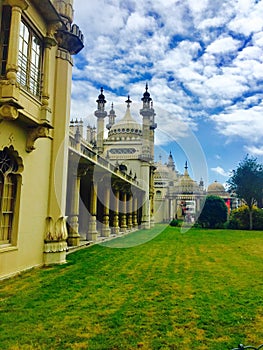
200, 289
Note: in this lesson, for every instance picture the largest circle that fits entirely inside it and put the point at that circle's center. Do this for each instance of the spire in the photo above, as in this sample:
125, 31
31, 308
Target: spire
112, 117
128, 102
186, 169
171, 162
101, 100
146, 99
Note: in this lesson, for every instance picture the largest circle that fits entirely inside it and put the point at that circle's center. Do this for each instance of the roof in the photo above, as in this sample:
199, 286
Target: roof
127, 126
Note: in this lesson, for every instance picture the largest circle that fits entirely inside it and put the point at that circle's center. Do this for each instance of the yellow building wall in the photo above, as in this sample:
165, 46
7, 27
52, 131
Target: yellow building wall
28, 251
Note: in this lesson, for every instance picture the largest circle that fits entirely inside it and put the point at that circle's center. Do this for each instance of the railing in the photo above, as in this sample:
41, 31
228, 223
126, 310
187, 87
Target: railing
241, 347
87, 151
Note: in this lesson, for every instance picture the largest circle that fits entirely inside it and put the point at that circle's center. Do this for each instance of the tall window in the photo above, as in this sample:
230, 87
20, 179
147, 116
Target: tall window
4, 38
30, 60
8, 195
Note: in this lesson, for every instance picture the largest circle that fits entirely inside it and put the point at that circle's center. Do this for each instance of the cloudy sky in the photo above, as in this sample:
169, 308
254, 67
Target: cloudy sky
203, 62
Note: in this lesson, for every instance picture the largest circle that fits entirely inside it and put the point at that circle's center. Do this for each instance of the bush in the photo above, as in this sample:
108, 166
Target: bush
214, 213
174, 222
239, 218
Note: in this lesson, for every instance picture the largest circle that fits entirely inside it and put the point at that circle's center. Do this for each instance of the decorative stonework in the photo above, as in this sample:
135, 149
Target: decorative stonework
55, 246
22, 4
56, 231
64, 55
34, 134
8, 112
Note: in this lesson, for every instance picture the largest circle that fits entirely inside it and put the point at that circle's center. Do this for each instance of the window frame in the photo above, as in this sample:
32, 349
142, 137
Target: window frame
31, 83
4, 38
10, 200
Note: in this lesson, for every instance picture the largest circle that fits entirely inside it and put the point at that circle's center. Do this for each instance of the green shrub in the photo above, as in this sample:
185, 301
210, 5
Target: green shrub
239, 218
174, 222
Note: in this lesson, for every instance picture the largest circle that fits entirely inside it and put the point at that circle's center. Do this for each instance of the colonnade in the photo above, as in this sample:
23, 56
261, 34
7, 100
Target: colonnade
100, 205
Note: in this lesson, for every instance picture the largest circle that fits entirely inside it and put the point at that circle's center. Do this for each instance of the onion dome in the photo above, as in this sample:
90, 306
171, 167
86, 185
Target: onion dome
161, 172
101, 100
216, 188
126, 128
185, 184
146, 96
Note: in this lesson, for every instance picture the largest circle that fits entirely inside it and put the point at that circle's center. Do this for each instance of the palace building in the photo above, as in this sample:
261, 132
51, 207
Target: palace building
61, 186
37, 42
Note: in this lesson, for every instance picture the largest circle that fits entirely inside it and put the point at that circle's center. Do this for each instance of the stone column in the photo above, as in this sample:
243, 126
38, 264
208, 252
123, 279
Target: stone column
145, 174
116, 200
13, 47
73, 221
134, 216
170, 209
129, 211
106, 231
123, 225
46, 111
92, 230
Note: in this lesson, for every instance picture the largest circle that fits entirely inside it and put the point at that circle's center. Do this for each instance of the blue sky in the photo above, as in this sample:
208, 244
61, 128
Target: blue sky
203, 61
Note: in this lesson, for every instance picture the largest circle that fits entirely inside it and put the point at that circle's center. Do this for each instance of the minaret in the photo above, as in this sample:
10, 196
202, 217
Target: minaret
149, 126
112, 117
186, 169
100, 113
170, 163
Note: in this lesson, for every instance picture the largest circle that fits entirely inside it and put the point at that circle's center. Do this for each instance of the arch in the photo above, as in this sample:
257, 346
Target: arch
11, 166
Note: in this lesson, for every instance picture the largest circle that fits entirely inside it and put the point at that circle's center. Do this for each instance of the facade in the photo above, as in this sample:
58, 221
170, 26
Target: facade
177, 196
61, 187
110, 180
37, 42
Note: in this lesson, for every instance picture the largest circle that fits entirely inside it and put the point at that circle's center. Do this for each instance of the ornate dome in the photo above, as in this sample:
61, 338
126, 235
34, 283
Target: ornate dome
216, 188
185, 184
161, 172
126, 128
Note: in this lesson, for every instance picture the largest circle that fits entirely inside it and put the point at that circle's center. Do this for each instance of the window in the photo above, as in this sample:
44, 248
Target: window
30, 60
158, 194
8, 195
4, 38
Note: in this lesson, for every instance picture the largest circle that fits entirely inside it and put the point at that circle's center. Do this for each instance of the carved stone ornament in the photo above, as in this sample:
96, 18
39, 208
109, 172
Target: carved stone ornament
8, 112
34, 134
56, 231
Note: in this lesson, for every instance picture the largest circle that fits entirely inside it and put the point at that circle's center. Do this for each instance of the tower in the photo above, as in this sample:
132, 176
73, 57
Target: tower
100, 113
148, 114
112, 117
170, 163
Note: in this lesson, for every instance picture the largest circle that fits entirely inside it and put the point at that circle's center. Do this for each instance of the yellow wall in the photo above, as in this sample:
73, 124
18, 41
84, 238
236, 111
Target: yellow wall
33, 200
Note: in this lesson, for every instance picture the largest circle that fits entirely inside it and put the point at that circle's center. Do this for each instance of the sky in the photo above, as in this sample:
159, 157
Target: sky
203, 63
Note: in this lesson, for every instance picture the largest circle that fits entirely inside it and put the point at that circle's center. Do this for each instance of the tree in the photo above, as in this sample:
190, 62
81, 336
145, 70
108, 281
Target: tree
214, 212
247, 183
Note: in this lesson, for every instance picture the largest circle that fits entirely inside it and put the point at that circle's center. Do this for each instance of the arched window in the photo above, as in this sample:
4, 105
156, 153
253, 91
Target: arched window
9, 183
158, 194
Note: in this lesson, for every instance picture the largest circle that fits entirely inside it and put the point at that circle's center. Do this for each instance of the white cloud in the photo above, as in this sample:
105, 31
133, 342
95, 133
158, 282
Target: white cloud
220, 171
246, 124
202, 59
254, 150
223, 46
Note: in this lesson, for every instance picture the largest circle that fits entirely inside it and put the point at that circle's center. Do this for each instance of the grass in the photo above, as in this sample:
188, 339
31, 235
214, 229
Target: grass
196, 290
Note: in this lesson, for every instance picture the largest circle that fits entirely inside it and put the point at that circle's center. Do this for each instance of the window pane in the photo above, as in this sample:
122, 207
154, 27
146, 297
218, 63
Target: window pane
29, 60
4, 38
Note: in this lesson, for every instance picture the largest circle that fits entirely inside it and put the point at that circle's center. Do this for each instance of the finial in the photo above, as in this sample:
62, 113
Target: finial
186, 166
128, 102
146, 96
101, 97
